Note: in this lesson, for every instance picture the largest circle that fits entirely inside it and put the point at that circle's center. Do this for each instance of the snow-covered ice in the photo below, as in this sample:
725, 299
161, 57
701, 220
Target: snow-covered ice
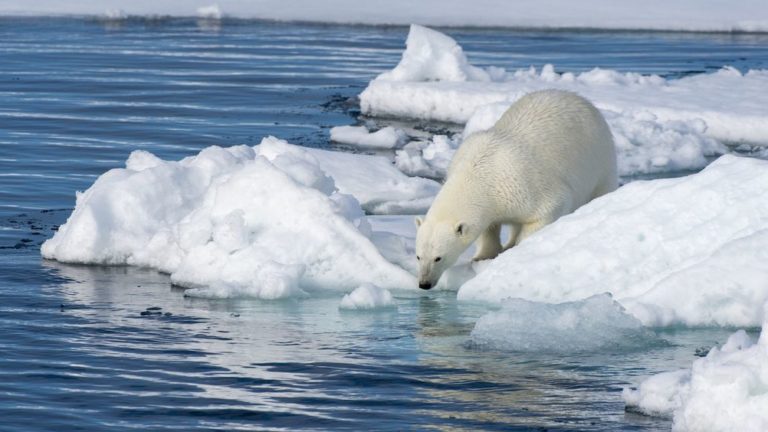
359, 136
725, 391
264, 222
366, 297
689, 250
686, 15
373, 180
659, 124
592, 324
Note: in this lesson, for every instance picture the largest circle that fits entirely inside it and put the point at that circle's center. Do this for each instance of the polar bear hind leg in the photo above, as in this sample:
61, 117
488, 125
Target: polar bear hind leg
514, 232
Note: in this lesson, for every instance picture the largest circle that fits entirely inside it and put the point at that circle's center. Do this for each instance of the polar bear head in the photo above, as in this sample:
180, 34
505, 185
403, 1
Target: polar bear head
439, 243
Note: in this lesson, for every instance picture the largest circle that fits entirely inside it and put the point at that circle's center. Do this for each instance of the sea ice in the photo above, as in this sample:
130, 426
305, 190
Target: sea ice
596, 323
688, 250
725, 391
659, 124
366, 297
359, 136
228, 222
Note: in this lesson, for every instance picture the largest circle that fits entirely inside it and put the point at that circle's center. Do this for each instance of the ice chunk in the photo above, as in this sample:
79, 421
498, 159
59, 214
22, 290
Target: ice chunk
433, 56
596, 323
227, 222
359, 136
211, 12
367, 297
687, 251
725, 391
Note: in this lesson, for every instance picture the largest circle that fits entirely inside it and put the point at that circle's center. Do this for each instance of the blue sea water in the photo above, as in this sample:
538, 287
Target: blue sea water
111, 348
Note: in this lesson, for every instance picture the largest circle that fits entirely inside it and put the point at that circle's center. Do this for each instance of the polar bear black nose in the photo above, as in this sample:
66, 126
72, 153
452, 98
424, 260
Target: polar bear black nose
425, 285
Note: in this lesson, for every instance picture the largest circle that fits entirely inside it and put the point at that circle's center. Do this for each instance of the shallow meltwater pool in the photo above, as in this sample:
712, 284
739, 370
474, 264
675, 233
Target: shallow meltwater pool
121, 347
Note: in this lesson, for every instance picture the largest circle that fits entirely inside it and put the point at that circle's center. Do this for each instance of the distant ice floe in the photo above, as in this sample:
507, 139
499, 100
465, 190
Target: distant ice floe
659, 125
680, 15
367, 297
592, 324
725, 391
265, 222
211, 12
359, 136
685, 251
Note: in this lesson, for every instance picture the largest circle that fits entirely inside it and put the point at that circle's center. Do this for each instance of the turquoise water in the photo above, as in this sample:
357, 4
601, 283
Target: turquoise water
110, 348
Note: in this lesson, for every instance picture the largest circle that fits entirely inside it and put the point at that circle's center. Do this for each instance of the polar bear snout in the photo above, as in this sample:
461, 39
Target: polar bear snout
425, 285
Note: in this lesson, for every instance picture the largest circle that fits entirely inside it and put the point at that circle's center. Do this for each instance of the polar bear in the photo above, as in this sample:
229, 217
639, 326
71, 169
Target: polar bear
550, 153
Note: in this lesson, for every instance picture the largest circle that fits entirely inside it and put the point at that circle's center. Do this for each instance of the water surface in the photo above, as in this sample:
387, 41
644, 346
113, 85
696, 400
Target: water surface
81, 350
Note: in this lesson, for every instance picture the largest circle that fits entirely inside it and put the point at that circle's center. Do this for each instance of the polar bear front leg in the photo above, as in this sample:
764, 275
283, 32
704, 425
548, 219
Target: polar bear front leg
488, 244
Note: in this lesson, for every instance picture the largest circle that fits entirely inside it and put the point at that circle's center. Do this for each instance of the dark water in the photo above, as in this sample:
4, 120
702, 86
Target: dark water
79, 350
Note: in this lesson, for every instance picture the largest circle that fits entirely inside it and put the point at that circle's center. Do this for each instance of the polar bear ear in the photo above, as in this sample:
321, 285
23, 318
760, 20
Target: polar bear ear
418, 221
461, 228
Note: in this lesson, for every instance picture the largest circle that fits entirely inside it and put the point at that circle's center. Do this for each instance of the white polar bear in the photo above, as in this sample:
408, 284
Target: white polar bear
550, 153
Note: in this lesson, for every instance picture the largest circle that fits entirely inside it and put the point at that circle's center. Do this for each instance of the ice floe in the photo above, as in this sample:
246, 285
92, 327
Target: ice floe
367, 297
595, 323
359, 136
265, 222
659, 124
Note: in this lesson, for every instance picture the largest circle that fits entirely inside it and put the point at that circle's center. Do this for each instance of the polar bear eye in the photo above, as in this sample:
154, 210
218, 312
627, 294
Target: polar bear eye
438, 259
418, 258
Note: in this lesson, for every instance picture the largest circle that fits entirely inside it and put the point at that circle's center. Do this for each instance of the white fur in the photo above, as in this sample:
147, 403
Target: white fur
549, 154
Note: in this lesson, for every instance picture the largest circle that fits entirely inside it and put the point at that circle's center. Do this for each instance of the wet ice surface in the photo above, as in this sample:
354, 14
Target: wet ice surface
89, 349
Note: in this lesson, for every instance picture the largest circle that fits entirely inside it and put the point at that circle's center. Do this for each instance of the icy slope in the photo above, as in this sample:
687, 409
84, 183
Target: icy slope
689, 250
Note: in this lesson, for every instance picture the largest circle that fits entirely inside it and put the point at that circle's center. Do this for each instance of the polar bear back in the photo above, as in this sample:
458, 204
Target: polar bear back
551, 151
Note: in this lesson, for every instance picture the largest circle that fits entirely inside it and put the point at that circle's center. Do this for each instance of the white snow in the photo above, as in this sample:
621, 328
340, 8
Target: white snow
689, 250
725, 391
687, 15
596, 323
373, 180
427, 158
658, 124
367, 297
359, 136
228, 222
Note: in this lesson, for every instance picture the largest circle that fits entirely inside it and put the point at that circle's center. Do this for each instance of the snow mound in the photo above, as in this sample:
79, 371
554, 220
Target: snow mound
689, 250
659, 124
359, 136
373, 180
596, 323
227, 222
433, 56
725, 391
366, 297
